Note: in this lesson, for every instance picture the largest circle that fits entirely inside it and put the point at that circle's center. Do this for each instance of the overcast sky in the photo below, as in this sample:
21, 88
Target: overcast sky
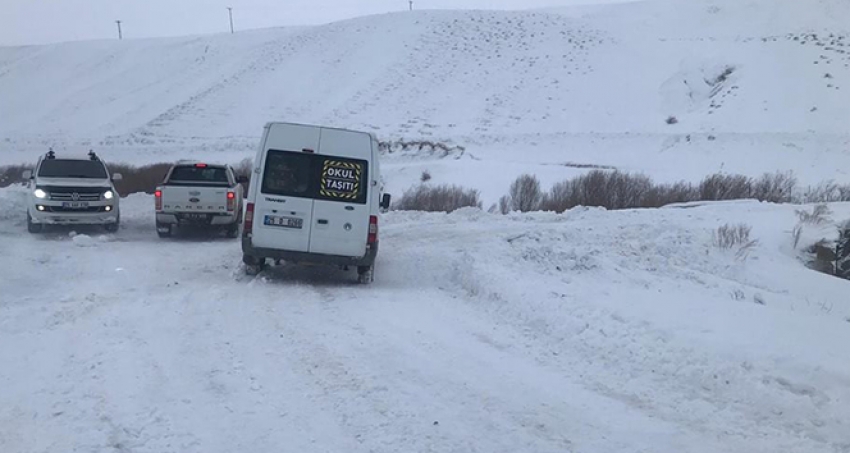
45, 21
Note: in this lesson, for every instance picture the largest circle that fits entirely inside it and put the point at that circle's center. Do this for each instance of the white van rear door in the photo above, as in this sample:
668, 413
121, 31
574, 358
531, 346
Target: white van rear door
283, 210
341, 209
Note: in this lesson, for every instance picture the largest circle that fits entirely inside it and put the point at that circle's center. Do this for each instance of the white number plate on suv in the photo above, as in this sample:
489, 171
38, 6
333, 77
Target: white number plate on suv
286, 222
75, 204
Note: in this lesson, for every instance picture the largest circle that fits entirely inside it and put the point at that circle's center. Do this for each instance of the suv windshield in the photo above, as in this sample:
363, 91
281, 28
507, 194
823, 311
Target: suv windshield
68, 168
201, 175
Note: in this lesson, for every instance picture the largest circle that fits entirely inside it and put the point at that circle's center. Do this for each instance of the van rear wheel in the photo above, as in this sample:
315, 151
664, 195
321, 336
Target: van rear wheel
365, 274
253, 266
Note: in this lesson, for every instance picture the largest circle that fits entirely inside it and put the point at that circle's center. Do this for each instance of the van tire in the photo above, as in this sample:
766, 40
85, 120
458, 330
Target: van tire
253, 266
34, 227
365, 274
163, 234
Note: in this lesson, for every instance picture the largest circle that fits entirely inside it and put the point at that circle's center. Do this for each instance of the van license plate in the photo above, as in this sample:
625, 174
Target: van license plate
75, 204
286, 222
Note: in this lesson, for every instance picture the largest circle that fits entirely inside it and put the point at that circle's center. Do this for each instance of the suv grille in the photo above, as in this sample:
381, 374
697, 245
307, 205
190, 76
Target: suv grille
75, 193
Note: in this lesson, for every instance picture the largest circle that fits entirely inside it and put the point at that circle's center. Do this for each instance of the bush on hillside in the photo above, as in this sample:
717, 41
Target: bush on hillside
524, 196
775, 187
442, 198
720, 186
142, 179
13, 174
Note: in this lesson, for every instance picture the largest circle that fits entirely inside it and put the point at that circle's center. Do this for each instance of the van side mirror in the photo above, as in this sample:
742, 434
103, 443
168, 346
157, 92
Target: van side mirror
385, 201
27, 174
117, 177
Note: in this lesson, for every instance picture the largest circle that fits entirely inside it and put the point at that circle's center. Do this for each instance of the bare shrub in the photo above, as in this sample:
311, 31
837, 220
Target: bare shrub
819, 215
443, 198
721, 186
426, 176
733, 236
664, 194
826, 192
505, 204
671, 120
139, 179
615, 190
560, 198
245, 168
13, 174
525, 194
775, 187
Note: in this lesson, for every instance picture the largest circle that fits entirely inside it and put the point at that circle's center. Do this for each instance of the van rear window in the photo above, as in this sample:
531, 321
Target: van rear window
315, 176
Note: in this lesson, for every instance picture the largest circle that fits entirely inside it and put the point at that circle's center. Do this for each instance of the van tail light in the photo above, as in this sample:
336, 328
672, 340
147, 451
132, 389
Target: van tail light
373, 229
249, 219
157, 196
231, 201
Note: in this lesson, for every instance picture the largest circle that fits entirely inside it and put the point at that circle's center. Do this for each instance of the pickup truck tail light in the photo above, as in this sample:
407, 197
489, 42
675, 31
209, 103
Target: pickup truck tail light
231, 201
373, 229
249, 219
157, 196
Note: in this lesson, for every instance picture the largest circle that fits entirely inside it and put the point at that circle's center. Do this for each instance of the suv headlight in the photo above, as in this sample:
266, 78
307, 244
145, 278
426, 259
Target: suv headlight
108, 195
39, 193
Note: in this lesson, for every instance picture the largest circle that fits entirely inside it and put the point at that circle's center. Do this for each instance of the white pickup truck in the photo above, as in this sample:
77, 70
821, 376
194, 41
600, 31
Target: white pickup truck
199, 195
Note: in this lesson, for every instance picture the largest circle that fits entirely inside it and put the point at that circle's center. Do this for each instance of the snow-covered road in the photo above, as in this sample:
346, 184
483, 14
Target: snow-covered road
591, 331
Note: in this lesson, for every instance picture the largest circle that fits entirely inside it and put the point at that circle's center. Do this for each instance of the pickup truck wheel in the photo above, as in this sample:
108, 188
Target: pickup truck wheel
163, 230
233, 231
365, 274
34, 227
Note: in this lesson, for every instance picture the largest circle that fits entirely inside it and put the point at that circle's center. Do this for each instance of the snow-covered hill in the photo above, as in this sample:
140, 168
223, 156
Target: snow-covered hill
754, 85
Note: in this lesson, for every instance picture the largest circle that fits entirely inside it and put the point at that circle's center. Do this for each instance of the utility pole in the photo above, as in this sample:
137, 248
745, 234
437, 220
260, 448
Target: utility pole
411, 4
230, 12
119, 29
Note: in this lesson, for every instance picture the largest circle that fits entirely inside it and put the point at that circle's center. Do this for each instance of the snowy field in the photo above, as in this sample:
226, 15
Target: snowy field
586, 332
590, 331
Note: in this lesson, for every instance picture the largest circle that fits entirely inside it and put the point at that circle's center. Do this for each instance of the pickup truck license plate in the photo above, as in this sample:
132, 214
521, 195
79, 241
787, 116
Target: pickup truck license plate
286, 222
75, 204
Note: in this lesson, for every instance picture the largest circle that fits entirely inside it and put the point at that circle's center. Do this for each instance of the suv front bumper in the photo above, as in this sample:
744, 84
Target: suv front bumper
52, 213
